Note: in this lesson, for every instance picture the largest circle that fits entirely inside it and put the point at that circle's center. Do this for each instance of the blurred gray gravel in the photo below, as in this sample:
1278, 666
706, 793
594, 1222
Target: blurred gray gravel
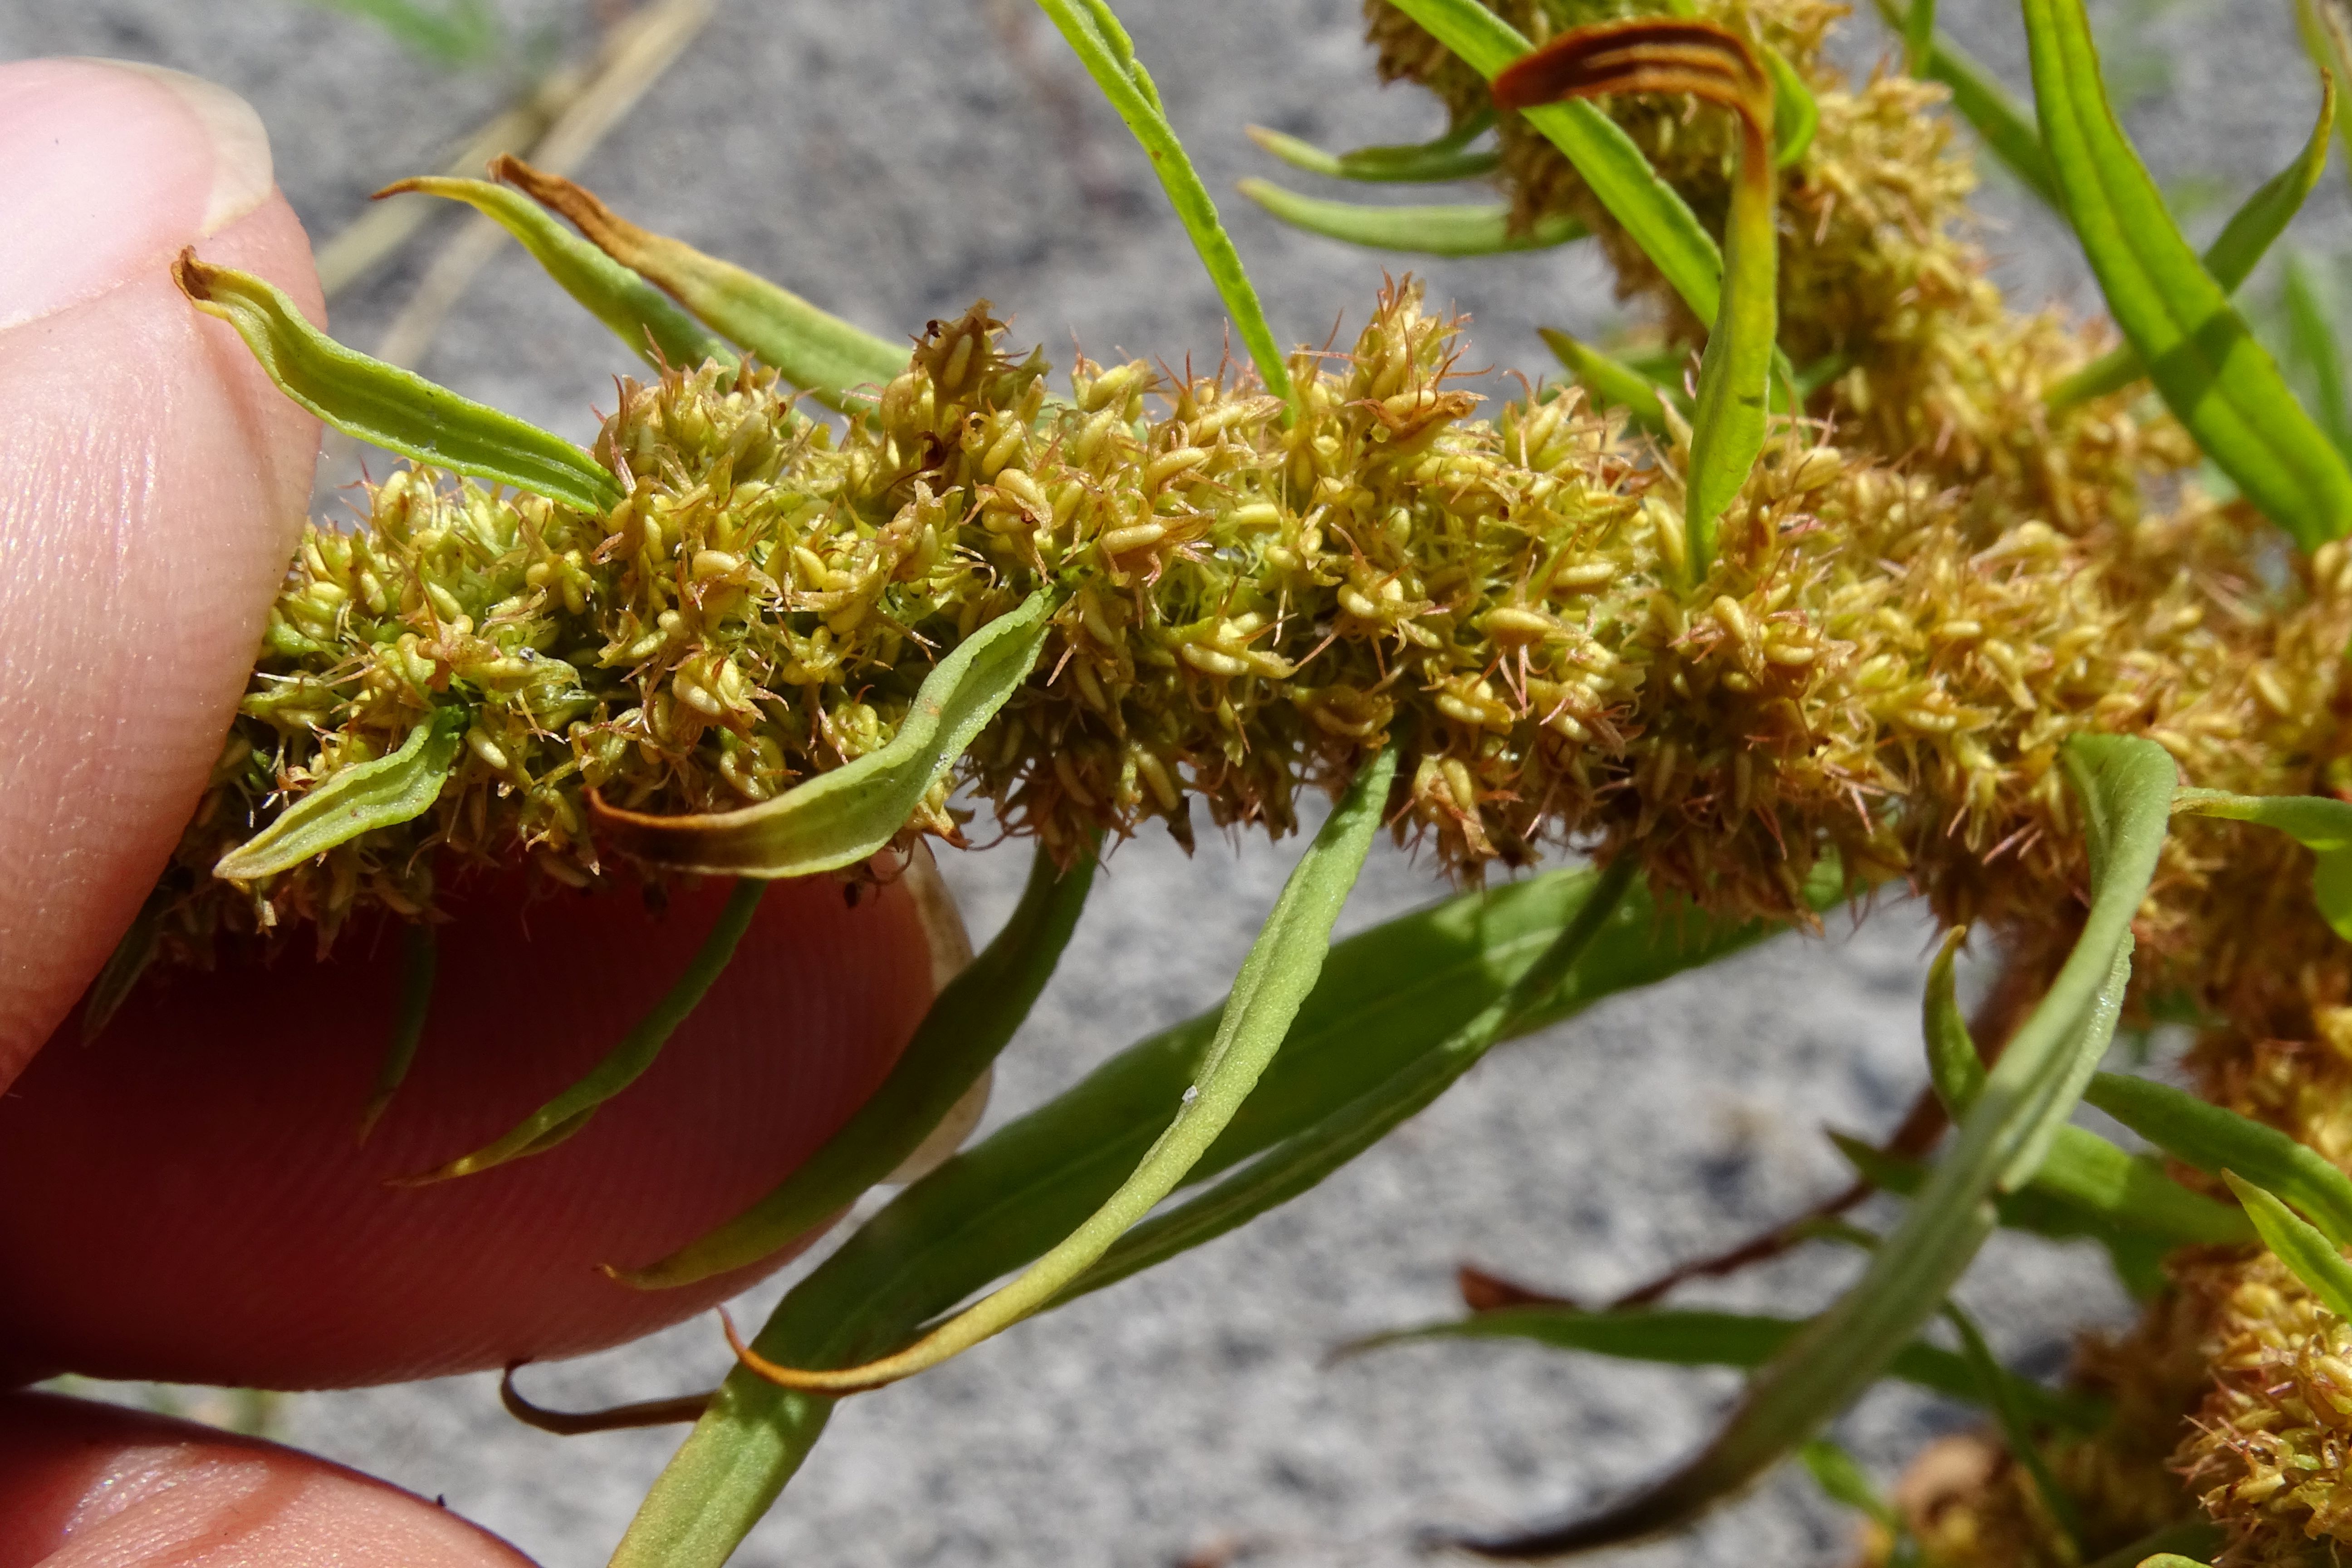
894, 159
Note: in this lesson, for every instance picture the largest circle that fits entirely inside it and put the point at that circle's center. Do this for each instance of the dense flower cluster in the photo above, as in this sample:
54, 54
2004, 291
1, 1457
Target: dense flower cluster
2268, 1450
1883, 295
1874, 668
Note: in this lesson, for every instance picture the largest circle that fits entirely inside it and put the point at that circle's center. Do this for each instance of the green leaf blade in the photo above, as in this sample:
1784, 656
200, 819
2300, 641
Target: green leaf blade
1680, 1336
571, 1110
1448, 158
2124, 786
419, 964
1385, 998
840, 817
1651, 211
2217, 379
1094, 36
2314, 1258
2233, 257
638, 314
2212, 1139
2318, 823
811, 348
975, 1016
392, 408
1730, 412
2016, 1424
395, 788
1609, 381
1454, 229
1308, 1156
1796, 114
1275, 979
2313, 348
2006, 128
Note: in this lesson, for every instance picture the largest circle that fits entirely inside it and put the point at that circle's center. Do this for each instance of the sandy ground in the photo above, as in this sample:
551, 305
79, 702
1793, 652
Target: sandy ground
894, 160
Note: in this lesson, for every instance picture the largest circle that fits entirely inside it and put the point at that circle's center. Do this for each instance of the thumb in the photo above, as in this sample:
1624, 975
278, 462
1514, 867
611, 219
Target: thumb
151, 482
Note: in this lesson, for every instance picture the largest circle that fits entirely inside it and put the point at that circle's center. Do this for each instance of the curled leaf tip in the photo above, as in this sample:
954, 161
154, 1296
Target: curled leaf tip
1485, 1292
394, 408
1643, 55
1717, 66
190, 274
846, 815
675, 1411
850, 1380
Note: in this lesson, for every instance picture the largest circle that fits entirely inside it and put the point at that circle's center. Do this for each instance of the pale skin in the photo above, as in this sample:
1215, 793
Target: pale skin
152, 484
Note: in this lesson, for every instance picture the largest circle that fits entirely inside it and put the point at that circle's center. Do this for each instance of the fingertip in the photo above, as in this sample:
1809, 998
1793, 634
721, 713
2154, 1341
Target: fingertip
151, 484
91, 1485
113, 165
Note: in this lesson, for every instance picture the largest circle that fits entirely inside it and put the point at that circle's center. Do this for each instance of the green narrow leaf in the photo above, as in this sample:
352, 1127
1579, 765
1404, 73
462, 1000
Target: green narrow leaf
2200, 1133
840, 817
2132, 1192
570, 1112
1449, 157
124, 965
1305, 1159
2125, 788
2320, 26
2087, 1187
1954, 1065
1676, 1336
1275, 982
1455, 229
1651, 211
2216, 379
1919, 37
638, 314
1737, 370
2315, 1260
419, 961
810, 348
2319, 824
2005, 126
1610, 383
1386, 996
2233, 257
972, 1019
461, 32
392, 789
2261, 217
2000, 1388
1843, 1481
395, 409
1102, 46
1820, 373
1796, 115
2311, 344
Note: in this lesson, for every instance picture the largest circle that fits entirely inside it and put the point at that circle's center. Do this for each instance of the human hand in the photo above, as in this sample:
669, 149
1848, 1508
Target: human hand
185, 1197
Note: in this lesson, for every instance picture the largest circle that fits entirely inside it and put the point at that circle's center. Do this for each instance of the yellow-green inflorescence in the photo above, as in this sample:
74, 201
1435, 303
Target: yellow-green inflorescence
1869, 668
1927, 584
